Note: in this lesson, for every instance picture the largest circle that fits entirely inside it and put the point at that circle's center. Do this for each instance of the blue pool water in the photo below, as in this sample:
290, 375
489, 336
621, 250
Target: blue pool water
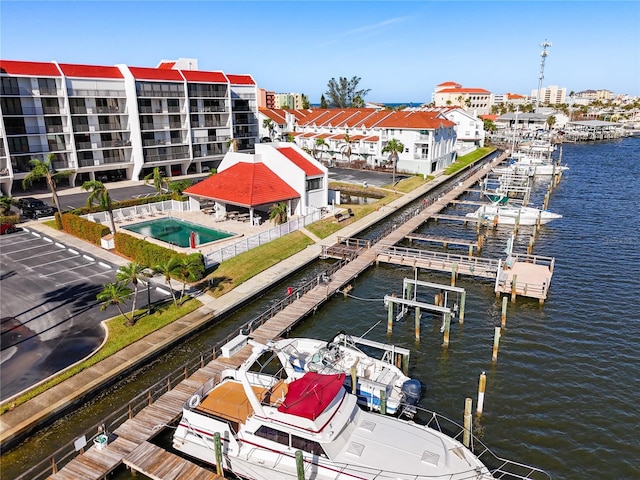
177, 232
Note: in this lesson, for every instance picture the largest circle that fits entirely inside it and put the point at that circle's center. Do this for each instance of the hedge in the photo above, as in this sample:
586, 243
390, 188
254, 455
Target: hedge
130, 202
84, 229
150, 254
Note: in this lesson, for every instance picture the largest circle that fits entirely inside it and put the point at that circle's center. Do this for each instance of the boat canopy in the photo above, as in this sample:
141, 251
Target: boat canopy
310, 395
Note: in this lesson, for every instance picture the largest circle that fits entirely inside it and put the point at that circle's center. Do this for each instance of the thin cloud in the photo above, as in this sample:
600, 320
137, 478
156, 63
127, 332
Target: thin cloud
367, 29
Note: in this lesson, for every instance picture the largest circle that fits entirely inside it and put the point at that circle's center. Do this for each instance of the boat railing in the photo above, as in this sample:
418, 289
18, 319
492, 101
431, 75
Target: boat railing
499, 467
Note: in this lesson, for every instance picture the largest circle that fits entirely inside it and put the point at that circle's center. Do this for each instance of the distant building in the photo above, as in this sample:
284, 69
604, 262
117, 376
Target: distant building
266, 99
593, 95
121, 121
288, 101
510, 99
552, 95
476, 100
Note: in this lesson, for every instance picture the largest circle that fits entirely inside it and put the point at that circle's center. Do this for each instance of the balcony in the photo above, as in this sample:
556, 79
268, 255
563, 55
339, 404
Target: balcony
97, 93
78, 110
82, 127
102, 127
219, 138
108, 109
55, 128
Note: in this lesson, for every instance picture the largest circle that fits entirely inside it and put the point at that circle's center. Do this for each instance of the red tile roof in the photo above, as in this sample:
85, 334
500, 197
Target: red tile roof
466, 90
36, 69
204, 77
144, 73
300, 161
373, 139
90, 71
453, 84
415, 120
276, 114
245, 184
513, 96
241, 80
356, 138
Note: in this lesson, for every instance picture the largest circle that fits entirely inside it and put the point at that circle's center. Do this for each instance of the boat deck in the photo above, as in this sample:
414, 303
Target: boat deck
228, 400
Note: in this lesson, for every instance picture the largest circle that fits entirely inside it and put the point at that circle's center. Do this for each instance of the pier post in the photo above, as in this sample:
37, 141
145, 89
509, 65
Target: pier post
480, 242
466, 439
513, 287
409, 291
454, 273
299, 465
496, 342
530, 246
389, 316
447, 325
354, 376
383, 401
517, 224
463, 297
482, 385
417, 323
504, 312
217, 443
405, 364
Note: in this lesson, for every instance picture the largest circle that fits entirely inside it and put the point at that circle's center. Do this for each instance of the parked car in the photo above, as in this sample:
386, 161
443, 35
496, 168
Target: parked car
35, 208
7, 228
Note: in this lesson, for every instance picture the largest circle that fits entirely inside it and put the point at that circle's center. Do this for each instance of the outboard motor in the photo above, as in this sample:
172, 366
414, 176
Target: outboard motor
411, 391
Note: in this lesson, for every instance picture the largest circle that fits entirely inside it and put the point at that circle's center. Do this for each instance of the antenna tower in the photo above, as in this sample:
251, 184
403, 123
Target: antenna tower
544, 55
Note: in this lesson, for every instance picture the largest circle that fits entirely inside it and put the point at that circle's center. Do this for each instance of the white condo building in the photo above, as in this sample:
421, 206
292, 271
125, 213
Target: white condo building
105, 122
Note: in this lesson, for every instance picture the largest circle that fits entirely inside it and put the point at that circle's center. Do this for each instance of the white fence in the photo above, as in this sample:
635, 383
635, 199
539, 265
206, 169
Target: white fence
139, 211
230, 251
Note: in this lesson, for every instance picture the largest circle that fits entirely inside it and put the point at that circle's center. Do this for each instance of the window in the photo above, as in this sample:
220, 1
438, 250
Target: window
10, 86
308, 446
273, 435
11, 106
314, 184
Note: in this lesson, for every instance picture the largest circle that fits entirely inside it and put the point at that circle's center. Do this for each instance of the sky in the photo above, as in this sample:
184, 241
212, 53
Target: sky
400, 50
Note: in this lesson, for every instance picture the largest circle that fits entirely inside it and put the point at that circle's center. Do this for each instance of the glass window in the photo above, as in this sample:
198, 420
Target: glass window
308, 446
273, 435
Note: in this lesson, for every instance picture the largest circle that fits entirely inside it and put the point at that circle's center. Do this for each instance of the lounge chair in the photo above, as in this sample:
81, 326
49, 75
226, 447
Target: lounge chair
118, 217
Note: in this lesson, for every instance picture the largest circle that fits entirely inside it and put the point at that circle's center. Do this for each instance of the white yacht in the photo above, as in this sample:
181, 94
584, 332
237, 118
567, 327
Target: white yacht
380, 384
507, 214
264, 422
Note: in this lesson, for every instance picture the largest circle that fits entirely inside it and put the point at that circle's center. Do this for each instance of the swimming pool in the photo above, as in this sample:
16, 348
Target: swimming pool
177, 232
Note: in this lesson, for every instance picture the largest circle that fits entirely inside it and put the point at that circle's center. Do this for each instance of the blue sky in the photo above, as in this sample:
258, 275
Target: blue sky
401, 50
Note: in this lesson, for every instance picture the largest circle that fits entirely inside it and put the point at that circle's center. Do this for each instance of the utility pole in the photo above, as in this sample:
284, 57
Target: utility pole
544, 55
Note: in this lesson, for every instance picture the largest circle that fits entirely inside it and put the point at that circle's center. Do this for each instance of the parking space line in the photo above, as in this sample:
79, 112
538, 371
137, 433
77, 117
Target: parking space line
66, 270
83, 278
36, 234
47, 239
60, 245
75, 252
54, 261
38, 255
89, 258
24, 249
104, 265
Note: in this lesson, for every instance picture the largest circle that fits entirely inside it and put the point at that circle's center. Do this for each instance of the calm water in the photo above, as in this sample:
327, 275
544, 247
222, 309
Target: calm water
177, 232
565, 391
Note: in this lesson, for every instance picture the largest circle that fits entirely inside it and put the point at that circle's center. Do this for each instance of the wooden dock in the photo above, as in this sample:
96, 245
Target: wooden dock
446, 241
457, 218
129, 443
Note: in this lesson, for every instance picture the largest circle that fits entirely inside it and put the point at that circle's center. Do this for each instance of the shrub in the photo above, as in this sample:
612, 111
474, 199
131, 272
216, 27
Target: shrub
84, 229
12, 219
150, 254
130, 202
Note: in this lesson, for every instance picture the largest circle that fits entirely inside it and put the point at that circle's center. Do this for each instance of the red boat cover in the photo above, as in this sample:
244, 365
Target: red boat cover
308, 396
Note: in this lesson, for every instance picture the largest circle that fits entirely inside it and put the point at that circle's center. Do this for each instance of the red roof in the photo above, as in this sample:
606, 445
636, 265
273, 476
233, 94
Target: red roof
310, 395
276, 114
144, 73
35, 69
415, 120
453, 84
90, 71
246, 184
465, 90
241, 80
309, 168
204, 77
371, 139
166, 65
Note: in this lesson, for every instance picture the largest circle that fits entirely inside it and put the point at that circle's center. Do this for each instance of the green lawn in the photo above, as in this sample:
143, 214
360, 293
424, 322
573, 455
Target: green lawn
465, 160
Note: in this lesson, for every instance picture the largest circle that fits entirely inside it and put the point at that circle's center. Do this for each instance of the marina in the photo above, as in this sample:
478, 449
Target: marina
513, 421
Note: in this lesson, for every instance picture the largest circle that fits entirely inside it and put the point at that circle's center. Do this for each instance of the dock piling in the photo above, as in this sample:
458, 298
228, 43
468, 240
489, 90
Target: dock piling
217, 442
447, 328
300, 464
496, 342
482, 385
504, 312
466, 439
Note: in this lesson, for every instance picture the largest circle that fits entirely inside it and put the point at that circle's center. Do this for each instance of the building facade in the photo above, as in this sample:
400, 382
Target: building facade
476, 100
552, 95
113, 122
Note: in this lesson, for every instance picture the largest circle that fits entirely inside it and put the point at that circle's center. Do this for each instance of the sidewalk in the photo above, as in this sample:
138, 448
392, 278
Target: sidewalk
36, 411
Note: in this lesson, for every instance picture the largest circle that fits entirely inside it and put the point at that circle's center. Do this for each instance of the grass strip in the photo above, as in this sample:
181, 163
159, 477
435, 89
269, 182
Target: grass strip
467, 159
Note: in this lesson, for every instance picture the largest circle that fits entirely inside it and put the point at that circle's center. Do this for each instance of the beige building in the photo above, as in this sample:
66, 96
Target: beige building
449, 94
552, 95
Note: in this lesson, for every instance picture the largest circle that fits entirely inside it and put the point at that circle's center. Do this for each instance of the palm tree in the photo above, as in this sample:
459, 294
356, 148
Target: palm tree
316, 148
278, 213
232, 145
100, 195
394, 147
115, 294
44, 169
346, 148
170, 269
5, 205
158, 179
188, 270
131, 273
551, 121
269, 125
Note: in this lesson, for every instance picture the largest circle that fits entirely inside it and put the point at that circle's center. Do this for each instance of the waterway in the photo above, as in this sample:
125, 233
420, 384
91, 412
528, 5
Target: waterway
564, 393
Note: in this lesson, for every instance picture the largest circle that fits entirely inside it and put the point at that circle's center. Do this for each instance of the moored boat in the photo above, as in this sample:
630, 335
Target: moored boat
380, 384
264, 421
507, 214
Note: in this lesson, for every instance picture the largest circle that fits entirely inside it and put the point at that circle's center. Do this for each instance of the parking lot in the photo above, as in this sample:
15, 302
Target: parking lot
50, 315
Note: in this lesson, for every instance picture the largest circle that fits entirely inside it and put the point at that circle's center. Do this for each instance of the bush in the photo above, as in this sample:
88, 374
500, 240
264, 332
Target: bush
150, 254
84, 229
12, 219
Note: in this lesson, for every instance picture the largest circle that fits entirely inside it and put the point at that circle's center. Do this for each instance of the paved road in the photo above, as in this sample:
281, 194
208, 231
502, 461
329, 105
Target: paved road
50, 315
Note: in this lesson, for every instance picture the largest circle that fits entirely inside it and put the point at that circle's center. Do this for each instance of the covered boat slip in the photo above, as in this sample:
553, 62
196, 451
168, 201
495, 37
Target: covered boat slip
229, 400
